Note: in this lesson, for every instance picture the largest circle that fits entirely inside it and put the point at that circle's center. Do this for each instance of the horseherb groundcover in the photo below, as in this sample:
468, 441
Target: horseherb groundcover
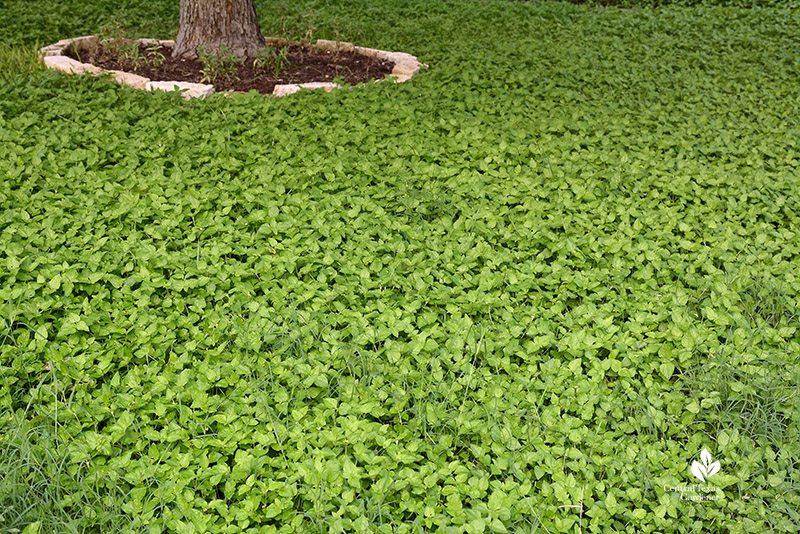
521, 293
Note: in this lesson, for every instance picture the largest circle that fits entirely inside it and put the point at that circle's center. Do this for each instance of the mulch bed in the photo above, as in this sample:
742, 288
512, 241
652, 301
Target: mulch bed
304, 63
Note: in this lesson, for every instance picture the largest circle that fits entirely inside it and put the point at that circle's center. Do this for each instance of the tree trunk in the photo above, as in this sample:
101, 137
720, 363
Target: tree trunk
217, 23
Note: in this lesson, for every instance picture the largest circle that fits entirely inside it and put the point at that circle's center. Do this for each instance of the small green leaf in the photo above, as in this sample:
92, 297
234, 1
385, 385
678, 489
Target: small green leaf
55, 282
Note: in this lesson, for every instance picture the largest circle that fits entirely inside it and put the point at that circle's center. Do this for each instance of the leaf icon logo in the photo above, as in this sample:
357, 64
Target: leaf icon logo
705, 469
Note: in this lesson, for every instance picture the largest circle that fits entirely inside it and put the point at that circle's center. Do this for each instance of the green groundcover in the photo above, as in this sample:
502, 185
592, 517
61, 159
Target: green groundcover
548, 285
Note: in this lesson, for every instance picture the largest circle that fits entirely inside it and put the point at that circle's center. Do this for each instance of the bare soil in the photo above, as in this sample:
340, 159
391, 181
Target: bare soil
304, 63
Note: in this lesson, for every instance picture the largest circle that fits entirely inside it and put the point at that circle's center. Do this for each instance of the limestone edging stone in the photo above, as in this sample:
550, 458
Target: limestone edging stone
130, 79
190, 90
287, 89
70, 66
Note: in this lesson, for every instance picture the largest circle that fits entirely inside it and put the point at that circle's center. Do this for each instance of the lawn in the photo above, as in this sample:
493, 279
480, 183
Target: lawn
520, 293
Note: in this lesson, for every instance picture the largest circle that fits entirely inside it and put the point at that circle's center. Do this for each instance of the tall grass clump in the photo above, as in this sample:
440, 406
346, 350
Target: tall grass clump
42, 491
18, 61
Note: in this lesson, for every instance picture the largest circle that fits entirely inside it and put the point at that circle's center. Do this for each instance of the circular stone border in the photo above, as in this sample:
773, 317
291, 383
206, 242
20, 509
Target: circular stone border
53, 57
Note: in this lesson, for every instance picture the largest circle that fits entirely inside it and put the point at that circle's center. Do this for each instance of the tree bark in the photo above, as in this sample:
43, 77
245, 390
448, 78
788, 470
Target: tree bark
217, 23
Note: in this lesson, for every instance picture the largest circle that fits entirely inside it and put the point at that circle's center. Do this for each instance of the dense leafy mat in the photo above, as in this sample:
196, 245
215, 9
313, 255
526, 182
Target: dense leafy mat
521, 293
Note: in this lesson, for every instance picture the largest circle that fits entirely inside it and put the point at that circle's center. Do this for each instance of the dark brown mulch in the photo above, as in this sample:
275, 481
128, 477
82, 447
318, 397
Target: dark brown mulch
305, 63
